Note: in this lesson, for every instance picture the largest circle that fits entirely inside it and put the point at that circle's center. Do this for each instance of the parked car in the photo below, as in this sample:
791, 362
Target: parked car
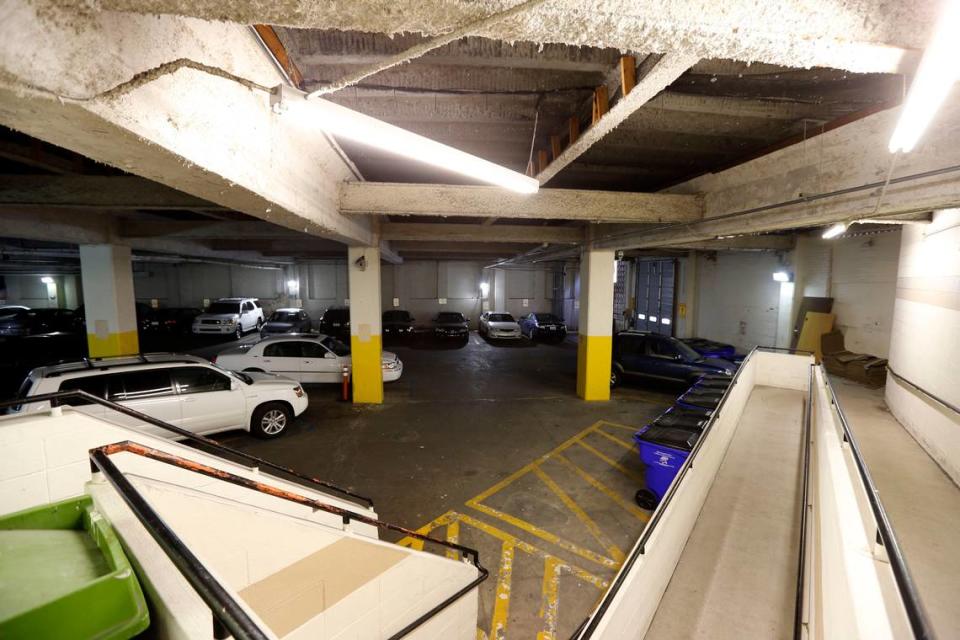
20, 321
451, 325
289, 320
174, 319
335, 322
230, 316
397, 324
145, 316
309, 358
543, 326
711, 349
640, 354
185, 391
498, 325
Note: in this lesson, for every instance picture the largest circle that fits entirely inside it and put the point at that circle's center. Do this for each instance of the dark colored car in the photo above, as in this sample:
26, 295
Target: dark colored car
174, 319
711, 349
290, 320
145, 316
543, 326
451, 325
336, 322
397, 325
17, 322
638, 354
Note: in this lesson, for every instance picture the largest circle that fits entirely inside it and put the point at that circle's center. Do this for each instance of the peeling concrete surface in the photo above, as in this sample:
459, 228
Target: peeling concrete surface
857, 35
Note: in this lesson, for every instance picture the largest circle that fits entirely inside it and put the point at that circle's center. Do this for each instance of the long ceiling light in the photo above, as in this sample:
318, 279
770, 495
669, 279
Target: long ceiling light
835, 230
353, 125
937, 72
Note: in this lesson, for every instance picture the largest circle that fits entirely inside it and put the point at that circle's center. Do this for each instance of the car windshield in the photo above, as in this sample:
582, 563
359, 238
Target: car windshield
548, 317
336, 346
284, 316
501, 317
8, 316
396, 316
685, 350
450, 317
224, 307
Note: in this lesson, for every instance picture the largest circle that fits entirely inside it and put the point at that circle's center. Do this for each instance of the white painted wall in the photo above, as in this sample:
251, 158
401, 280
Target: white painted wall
925, 337
29, 291
188, 284
738, 301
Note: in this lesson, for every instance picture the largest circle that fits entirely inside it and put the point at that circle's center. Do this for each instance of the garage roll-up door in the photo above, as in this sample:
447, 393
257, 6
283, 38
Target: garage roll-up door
656, 293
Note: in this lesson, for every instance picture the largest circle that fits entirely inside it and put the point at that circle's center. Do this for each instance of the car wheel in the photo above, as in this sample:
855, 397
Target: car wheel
239, 332
646, 499
270, 420
614, 378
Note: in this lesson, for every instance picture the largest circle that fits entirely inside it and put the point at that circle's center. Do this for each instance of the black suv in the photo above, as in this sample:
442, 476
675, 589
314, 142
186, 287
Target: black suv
397, 325
336, 322
451, 325
638, 354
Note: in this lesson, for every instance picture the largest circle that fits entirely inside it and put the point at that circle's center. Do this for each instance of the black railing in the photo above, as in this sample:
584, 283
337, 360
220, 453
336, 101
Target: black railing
798, 610
55, 399
225, 609
913, 385
916, 615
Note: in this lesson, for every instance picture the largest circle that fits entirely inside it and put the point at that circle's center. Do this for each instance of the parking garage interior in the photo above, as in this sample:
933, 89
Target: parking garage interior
652, 194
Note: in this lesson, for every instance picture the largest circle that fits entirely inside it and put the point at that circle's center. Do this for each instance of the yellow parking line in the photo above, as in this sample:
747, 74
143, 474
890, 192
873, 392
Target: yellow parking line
604, 489
453, 535
611, 438
582, 516
613, 463
550, 599
501, 606
545, 535
620, 426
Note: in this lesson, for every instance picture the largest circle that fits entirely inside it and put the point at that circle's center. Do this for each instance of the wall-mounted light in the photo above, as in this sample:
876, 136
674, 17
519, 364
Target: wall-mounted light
484, 289
46, 280
783, 276
936, 74
353, 125
293, 287
835, 230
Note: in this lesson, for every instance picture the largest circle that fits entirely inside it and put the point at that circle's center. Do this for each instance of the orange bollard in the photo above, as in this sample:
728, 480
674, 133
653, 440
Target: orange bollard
346, 382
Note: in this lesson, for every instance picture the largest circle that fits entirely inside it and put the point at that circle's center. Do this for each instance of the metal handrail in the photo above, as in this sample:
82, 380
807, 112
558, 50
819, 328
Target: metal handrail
56, 398
804, 507
916, 615
936, 399
223, 606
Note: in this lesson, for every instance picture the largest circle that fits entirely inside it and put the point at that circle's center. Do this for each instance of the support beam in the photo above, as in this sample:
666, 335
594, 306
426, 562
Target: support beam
504, 248
667, 70
479, 233
741, 243
595, 342
195, 117
387, 198
101, 192
363, 273
110, 313
795, 188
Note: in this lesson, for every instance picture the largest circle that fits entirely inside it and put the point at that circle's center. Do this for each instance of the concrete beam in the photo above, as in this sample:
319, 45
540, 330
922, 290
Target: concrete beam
479, 233
204, 230
505, 248
666, 71
100, 192
865, 36
193, 115
838, 176
741, 243
481, 202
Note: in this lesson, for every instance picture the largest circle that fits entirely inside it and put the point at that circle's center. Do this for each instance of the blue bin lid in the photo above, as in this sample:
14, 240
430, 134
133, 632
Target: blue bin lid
712, 384
675, 437
678, 417
708, 398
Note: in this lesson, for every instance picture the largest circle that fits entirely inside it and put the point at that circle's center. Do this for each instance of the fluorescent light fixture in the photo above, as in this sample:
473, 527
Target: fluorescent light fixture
641, 316
936, 74
353, 125
665, 321
46, 280
781, 276
484, 289
835, 230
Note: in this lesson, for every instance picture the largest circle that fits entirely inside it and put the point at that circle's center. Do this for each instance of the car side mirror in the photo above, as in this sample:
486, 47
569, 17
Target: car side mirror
329, 356
234, 385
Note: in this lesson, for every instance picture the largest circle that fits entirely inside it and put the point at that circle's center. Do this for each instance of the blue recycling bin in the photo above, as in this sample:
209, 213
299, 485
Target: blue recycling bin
718, 384
663, 450
700, 398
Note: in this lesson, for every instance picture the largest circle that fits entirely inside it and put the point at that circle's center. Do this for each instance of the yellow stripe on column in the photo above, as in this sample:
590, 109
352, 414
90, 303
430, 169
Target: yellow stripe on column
594, 358
367, 370
123, 343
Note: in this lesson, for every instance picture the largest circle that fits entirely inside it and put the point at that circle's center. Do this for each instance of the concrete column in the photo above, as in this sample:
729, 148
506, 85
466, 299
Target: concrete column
595, 349
363, 273
499, 290
108, 300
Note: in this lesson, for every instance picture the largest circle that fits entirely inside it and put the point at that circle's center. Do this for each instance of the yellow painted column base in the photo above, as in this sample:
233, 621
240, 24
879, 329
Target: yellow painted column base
367, 370
123, 343
594, 358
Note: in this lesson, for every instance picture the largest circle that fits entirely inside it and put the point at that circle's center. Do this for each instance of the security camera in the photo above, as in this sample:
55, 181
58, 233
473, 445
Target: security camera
361, 263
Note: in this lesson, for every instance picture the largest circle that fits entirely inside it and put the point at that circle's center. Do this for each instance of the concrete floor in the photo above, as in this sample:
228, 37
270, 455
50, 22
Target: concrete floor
489, 445
921, 500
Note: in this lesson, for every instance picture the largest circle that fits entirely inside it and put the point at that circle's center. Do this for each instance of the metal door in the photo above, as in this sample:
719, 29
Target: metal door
656, 296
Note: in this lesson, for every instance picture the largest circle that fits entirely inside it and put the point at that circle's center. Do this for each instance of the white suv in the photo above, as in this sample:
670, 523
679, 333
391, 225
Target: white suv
230, 316
185, 391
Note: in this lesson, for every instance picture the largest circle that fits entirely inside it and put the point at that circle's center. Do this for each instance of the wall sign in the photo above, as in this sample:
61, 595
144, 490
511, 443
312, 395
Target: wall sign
526, 302
442, 300
396, 302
